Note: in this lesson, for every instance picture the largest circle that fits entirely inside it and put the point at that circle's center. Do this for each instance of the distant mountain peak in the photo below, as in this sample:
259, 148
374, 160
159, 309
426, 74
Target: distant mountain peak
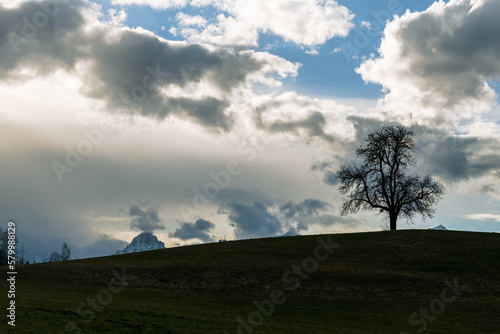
439, 227
290, 233
143, 242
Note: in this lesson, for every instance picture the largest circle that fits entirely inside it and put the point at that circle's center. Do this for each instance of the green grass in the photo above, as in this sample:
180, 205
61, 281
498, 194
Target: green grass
371, 283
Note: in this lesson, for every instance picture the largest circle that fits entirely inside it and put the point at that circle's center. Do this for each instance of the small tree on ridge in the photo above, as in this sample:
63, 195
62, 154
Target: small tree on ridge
64, 255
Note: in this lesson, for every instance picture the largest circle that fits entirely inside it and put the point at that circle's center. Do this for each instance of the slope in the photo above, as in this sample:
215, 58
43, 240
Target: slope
371, 283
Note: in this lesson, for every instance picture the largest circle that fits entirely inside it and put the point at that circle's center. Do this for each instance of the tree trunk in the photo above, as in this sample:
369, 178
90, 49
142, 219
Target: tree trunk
393, 218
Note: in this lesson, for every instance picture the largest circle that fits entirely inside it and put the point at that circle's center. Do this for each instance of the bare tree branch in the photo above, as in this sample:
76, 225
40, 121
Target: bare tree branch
381, 182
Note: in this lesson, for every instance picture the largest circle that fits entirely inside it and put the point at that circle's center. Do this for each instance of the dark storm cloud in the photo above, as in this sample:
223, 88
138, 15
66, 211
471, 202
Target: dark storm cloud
146, 220
260, 219
128, 69
197, 230
31, 37
252, 220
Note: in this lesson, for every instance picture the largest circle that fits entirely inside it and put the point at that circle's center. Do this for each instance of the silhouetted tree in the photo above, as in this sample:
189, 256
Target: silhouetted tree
21, 253
3, 247
64, 255
381, 183
65, 252
23, 256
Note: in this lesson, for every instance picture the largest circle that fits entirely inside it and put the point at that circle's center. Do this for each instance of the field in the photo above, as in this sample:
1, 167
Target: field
411, 281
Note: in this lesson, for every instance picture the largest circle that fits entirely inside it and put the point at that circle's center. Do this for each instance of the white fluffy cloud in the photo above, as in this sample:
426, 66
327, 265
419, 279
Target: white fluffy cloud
484, 216
441, 58
305, 22
157, 4
190, 20
226, 31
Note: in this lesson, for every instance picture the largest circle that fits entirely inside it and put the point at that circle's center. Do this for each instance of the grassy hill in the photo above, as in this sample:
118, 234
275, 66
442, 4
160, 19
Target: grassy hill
378, 282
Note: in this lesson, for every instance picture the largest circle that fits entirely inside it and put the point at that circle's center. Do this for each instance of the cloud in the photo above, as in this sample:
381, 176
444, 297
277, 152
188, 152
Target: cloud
306, 22
147, 220
186, 20
366, 24
117, 17
328, 170
197, 230
485, 184
306, 208
303, 213
158, 4
226, 31
442, 152
252, 220
484, 216
313, 124
455, 157
442, 57
131, 70
259, 219
303, 117
105, 245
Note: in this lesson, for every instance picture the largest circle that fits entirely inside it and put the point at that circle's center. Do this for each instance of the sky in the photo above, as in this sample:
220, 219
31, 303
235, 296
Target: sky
227, 119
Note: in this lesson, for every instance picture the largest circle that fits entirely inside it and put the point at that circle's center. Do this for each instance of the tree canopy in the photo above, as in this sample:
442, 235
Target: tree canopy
381, 182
